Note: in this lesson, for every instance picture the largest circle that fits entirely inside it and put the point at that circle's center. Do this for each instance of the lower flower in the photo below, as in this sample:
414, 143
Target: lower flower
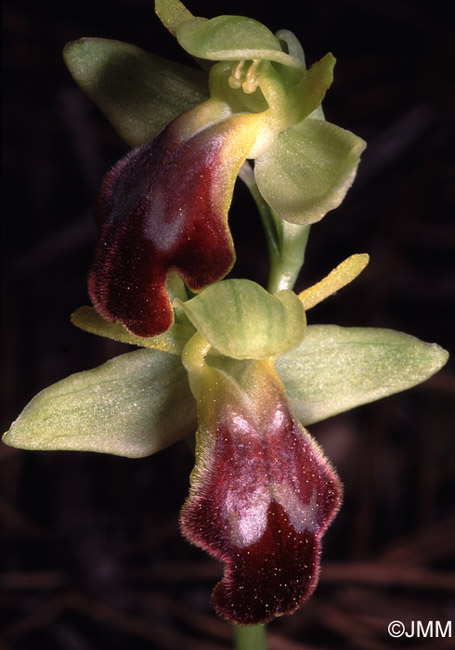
262, 493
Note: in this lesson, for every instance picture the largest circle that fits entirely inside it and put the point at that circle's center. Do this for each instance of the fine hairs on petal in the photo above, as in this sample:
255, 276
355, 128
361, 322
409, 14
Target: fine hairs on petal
262, 496
164, 207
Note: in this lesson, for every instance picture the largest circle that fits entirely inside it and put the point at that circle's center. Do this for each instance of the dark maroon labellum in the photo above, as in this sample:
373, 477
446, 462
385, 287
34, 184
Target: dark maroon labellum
262, 497
159, 209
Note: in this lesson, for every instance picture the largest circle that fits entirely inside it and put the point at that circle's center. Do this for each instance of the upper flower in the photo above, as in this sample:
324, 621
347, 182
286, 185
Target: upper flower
165, 206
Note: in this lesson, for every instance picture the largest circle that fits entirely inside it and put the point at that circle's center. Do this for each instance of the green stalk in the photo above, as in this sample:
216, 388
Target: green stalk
250, 637
292, 244
286, 242
270, 225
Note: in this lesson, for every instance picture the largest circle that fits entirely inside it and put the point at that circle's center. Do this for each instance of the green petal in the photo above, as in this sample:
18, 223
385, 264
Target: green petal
133, 405
338, 368
292, 45
312, 88
232, 38
172, 341
341, 276
172, 14
138, 92
308, 170
243, 321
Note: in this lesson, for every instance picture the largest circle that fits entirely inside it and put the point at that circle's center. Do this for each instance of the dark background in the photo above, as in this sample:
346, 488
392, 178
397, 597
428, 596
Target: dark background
91, 554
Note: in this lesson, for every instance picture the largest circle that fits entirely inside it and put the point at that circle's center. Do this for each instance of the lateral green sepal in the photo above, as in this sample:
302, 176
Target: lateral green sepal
133, 405
139, 92
308, 170
336, 368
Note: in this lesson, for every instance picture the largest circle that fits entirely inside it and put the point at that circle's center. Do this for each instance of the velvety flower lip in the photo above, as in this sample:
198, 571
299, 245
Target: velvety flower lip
164, 207
262, 496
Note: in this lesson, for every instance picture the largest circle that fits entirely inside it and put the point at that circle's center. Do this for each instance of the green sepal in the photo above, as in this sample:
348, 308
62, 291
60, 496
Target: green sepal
338, 368
139, 92
232, 38
133, 405
243, 321
308, 170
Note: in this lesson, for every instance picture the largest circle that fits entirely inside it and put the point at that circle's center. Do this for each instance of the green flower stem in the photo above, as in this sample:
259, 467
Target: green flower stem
292, 243
247, 175
286, 242
250, 637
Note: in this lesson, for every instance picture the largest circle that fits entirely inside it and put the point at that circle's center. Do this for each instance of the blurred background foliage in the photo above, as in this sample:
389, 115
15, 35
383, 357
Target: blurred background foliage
91, 554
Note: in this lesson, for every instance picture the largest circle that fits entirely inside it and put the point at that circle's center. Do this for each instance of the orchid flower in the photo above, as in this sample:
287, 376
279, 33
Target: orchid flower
164, 207
235, 362
262, 493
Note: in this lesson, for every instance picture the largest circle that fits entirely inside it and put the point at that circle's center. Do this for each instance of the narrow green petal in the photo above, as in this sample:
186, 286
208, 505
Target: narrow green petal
138, 92
243, 321
313, 86
172, 14
338, 368
308, 170
133, 405
172, 341
342, 275
292, 44
232, 38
